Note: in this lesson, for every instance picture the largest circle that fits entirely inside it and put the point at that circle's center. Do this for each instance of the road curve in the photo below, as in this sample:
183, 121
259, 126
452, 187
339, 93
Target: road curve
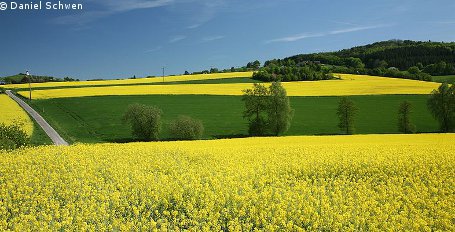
55, 137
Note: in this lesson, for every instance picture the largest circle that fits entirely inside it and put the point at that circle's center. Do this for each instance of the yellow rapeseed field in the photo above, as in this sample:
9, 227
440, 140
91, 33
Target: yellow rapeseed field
134, 81
348, 85
11, 112
327, 183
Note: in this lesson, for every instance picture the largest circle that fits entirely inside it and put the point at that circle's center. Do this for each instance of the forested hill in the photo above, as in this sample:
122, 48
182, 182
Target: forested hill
435, 58
22, 78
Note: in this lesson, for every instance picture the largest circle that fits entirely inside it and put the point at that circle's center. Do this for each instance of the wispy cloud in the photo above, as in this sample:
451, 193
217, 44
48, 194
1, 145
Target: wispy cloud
177, 38
212, 38
157, 48
333, 32
206, 11
194, 26
110, 7
295, 37
446, 22
343, 23
354, 29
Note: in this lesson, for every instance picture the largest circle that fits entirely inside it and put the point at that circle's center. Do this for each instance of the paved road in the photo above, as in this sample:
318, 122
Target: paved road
55, 137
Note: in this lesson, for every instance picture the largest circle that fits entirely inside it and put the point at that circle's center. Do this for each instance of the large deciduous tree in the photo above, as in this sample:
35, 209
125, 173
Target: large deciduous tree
279, 109
442, 105
255, 109
404, 118
346, 113
268, 109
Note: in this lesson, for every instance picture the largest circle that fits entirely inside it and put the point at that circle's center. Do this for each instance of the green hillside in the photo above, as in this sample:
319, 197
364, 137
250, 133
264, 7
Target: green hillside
98, 119
401, 54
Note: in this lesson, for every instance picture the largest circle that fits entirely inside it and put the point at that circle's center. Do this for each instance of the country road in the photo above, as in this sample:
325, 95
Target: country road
55, 137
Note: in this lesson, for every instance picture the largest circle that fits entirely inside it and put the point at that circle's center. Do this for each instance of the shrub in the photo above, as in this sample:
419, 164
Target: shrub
12, 137
186, 128
145, 121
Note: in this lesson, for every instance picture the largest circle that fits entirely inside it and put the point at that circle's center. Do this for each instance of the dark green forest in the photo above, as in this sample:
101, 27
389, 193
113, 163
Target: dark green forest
394, 58
434, 58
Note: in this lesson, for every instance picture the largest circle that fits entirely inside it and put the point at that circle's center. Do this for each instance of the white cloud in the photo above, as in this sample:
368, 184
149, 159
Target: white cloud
157, 48
206, 11
354, 29
295, 38
177, 38
333, 32
194, 26
127, 5
212, 38
109, 7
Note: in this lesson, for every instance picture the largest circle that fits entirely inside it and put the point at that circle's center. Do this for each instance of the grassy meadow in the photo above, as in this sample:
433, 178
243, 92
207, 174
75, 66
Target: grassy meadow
441, 79
98, 119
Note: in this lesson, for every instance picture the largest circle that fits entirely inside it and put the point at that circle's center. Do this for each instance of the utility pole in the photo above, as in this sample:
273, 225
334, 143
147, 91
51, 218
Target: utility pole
27, 74
163, 73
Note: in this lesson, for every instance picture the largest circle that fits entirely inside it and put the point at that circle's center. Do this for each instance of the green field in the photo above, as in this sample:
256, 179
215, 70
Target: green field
441, 79
39, 137
98, 119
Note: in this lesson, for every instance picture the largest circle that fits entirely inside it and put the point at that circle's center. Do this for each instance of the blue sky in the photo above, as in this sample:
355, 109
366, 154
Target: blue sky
122, 38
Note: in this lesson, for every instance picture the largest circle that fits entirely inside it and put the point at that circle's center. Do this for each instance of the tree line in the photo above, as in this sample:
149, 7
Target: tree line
394, 58
269, 112
22, 78
273, 72
441, 105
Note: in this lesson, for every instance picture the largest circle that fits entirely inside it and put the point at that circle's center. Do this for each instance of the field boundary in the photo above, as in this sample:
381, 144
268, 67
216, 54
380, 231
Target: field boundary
53, 135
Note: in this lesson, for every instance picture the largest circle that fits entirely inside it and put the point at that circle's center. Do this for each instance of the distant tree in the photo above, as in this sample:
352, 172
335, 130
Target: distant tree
404, 118
186, 73
256, 64
214, 70
420, 66
279, 109
355, 63
442, 105
145, 121
186, 128
380, 64
347, 112
232, 69
256, 109
414, 70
